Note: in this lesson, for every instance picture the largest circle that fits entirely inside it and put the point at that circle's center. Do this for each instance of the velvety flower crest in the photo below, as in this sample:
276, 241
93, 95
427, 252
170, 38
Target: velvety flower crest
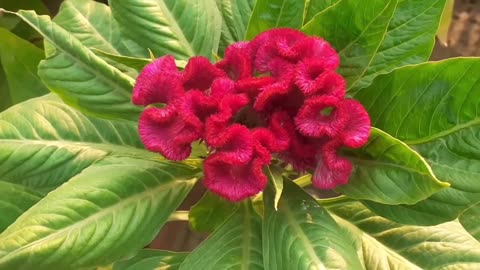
277, 96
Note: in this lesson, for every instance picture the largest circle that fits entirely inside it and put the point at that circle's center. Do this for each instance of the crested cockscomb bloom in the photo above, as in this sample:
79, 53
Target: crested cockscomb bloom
277, 96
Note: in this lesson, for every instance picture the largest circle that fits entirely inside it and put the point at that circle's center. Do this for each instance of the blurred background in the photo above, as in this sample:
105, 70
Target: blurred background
463, 39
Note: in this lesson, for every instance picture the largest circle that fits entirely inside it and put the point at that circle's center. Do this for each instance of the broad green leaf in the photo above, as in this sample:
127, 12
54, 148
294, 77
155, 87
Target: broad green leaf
92, 23
78, 76
235, 16
236, 244
269, 14
470, 220
388, 171
109, 211
210, 213
183, 28
5, 100
445, 21
14, 200
20, 59
424, 102
150, 259
302, 235
44, 142
276, 179
313, 7
409, 39
378, 36
433, 108
355, 29
387, 245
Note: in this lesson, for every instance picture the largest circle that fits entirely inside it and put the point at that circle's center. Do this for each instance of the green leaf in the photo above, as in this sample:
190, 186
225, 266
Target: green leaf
92, 24
269, 14
388, 171
236, 244
79, 77
235, 16
132, 62
210, 212
409, 39
183, 28
313, 7
109, 211
5, 100
389, 245
470, 220
14, 200
150, 259
44, 142
375, 37
302, 235
362, 26
433, 108
20, 67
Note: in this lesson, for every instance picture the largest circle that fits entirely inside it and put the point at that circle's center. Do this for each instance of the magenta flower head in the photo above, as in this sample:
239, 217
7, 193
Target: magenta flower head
277, 96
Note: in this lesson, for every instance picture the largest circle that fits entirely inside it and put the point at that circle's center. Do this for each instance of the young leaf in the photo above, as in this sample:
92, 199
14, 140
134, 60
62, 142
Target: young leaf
81, 78
20, 67
183, 28
445, 21
236, 244
235, 16
302, 235
276, 179
150, 259
109, 211
470, 220
269, 14
44, 142
92, 23
388, 245
378, 36
388, 171
432, 107
133, 62
210, 213
14, 200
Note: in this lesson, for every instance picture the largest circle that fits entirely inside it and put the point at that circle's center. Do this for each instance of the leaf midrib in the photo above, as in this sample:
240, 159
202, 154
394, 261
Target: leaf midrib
104, 212
109, 147
92, 27
356, 228
301, 235
444, 133
365, 69
247, 227
178, 30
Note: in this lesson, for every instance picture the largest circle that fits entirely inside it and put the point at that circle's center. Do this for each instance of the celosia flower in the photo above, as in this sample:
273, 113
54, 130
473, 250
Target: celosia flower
277, 96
